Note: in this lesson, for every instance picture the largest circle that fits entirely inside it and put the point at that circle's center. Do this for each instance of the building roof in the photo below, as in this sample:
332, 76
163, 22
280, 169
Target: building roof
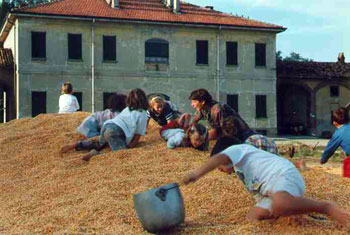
312, 70
6, 58
144, 10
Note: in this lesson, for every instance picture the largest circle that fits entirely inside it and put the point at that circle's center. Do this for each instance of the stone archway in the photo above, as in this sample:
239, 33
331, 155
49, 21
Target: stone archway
293, 109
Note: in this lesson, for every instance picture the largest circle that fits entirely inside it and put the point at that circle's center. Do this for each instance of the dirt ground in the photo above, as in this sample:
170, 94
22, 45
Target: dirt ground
45, 192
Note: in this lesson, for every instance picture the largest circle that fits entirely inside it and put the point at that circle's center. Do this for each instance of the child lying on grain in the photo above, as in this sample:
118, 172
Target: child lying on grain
196, 136
274, 181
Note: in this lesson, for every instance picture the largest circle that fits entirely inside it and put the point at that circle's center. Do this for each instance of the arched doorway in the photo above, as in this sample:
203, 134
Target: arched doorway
293, 109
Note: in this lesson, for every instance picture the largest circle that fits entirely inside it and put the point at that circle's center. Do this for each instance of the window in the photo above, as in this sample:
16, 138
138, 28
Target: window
157, 51
106, 96
202, 52
39, 45
262, 132
334, 90
231, 53
74, 46
232, 101
260, 106
38, 102
109, 48
79, 96
260, 54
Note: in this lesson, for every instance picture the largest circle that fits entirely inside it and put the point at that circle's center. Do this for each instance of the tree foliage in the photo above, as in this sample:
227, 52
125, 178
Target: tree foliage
7, 5
292, 57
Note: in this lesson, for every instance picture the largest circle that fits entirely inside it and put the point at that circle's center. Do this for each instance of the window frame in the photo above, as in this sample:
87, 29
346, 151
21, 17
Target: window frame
235, 101
38, 45
75, 49
260, 54
202, 52
41, 106
260, 112
331, 91
233, 56
157, 51
107, 51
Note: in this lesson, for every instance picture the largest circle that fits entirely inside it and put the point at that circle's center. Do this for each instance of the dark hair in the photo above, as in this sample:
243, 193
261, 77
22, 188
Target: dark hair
202, 131
67, 88
137, 99
117, 102
340, 116
223, 143
201, 95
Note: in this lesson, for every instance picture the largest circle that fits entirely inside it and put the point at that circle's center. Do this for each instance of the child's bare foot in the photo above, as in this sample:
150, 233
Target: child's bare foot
67, 147
340, 216
302, 165
88, 156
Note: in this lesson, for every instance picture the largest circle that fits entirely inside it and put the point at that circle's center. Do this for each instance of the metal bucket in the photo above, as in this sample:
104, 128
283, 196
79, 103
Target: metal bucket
160, 208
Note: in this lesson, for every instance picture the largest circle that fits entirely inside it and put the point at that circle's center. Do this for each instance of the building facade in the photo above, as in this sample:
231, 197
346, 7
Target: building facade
308, 93
169, 47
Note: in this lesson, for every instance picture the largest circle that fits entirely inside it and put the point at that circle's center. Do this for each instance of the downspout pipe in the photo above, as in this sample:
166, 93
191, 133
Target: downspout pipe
15, 70
93, 66
218, 66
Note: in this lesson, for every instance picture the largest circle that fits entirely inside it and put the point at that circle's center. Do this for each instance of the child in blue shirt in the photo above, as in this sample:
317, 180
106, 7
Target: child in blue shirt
91, 126
122, 132
274, 182
341, 137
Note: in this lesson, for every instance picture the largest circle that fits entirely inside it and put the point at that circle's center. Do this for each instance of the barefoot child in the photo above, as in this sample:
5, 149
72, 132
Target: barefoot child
121, 132
91, 126
274, 182
68, 103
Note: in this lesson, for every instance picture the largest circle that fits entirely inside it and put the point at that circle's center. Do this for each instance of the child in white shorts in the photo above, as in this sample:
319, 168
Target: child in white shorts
274, 181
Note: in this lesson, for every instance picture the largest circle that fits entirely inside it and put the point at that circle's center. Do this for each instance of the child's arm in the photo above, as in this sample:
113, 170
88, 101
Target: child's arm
212, 134
211, 164
134, 141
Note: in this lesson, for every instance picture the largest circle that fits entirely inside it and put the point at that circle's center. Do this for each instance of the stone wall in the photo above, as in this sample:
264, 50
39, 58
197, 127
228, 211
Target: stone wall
177, 79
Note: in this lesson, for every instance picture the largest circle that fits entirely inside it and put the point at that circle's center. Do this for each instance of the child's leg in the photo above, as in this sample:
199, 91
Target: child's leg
68, 147
115, 137
257, 213
284, 204
88, 156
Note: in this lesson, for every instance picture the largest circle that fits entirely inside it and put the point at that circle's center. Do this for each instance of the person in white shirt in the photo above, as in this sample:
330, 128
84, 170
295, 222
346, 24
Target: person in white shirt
68, 103
91, 126
123, 131
275, 183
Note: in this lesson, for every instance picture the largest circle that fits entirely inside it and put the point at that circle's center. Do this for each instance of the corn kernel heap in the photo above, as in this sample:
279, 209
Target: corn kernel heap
43, 192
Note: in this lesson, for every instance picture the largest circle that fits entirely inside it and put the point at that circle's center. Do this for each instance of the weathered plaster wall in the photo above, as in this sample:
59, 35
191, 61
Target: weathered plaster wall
325, 104
177, 79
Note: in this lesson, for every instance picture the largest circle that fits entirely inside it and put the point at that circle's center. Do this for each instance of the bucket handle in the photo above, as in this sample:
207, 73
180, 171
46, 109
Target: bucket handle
161, 193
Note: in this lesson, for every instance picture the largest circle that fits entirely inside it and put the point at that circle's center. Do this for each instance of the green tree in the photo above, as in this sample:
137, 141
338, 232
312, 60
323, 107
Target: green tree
7, 5
279, 55
296, 57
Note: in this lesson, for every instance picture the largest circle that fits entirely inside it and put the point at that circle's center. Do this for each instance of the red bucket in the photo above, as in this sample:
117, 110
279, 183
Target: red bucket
346, 167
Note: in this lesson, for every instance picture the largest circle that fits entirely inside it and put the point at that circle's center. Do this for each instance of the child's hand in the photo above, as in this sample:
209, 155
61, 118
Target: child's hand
190, 178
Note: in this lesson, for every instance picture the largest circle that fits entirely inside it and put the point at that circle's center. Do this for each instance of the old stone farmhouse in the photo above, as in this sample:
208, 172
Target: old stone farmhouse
167, 46
308, 92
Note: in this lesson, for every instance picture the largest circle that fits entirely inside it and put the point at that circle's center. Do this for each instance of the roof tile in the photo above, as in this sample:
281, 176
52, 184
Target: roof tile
312, 70
144, 10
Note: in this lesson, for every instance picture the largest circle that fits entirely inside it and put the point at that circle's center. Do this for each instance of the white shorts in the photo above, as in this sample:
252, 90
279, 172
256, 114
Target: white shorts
291, 182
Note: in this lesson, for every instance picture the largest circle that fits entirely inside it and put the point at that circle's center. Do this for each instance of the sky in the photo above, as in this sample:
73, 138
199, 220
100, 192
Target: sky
316, 29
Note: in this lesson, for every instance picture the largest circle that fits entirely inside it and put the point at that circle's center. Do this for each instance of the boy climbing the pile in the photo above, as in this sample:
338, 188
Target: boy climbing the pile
274, 182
